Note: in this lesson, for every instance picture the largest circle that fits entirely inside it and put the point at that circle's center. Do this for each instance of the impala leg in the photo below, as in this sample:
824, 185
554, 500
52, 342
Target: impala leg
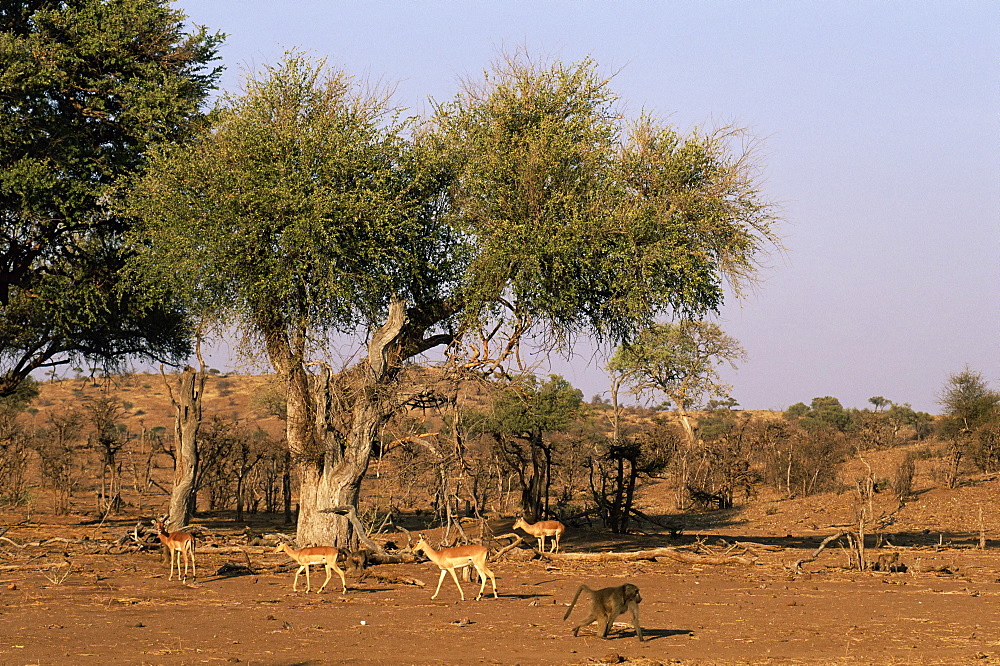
493, 579
295, 585
483, 572
328, 574
343, 581
454, 577
440, 580
308, 582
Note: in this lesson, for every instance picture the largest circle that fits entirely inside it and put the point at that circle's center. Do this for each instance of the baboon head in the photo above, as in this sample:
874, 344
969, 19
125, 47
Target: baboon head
631, 592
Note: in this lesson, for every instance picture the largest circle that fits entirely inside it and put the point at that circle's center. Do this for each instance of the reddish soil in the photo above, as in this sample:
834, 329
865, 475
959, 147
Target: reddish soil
120, 608
80, 601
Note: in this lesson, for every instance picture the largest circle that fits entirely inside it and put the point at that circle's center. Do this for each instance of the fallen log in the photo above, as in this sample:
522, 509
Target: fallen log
34, 567
37, 544
386, 558
651, 554
798, 564
759, 546
518, 540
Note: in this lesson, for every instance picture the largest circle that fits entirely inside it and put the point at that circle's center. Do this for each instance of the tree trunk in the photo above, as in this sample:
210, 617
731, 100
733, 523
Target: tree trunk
187, 421
534, 494
332, 469
689, 433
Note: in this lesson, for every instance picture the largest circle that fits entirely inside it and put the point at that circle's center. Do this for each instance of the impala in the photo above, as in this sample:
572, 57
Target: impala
180, 544
542, 529
458, 557
325, 555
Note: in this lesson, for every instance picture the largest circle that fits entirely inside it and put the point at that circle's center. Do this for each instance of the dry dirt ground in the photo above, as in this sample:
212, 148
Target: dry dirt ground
106, 607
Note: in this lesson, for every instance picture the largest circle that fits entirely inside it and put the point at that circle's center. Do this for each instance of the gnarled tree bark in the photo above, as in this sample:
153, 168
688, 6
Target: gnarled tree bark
187, 402
333, 465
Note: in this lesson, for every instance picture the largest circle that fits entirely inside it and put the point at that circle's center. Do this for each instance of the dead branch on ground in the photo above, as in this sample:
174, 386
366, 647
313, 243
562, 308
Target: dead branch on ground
798, 564
518, 540
651, 554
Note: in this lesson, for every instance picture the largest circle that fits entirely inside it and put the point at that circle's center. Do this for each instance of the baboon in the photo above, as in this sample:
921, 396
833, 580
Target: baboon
607, 604
889, 562
357, 561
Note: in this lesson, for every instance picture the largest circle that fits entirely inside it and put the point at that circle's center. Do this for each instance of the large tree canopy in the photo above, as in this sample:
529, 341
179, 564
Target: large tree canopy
583, 221
527, 204
85, 88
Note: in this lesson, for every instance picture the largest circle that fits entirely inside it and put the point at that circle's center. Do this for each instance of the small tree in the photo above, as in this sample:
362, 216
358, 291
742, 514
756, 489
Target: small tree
679, 360
971, 407
521, 415
15, 442
821, 414
618, 464
58, 445
106, 413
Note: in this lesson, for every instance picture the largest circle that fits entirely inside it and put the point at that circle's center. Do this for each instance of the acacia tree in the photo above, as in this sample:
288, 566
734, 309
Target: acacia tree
971, 408
521, 415
678, 359
525, 204
86, 87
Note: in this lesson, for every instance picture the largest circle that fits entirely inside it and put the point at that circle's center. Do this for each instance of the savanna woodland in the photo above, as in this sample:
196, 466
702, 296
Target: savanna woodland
403, 278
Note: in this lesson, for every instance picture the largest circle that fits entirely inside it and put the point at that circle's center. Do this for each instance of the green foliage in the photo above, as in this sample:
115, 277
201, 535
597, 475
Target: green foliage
525, 200
678, 359
86, 88
904, 416
528, 406
292, 213
21, 397
969, 404
729, 403
583, 221
821, 413
971, 422
522, 413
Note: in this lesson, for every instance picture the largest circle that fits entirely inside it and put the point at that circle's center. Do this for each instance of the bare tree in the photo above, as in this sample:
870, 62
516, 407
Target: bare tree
106, 413
187, 403
57, 445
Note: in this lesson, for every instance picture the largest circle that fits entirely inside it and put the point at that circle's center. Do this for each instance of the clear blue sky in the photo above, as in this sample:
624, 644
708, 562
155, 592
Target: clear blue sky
881, 129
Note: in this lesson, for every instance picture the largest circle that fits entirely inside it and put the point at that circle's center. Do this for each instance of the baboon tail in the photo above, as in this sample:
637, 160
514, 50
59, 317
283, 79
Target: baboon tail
575, 597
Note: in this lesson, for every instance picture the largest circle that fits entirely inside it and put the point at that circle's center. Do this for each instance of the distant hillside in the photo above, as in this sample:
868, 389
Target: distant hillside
147, 399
